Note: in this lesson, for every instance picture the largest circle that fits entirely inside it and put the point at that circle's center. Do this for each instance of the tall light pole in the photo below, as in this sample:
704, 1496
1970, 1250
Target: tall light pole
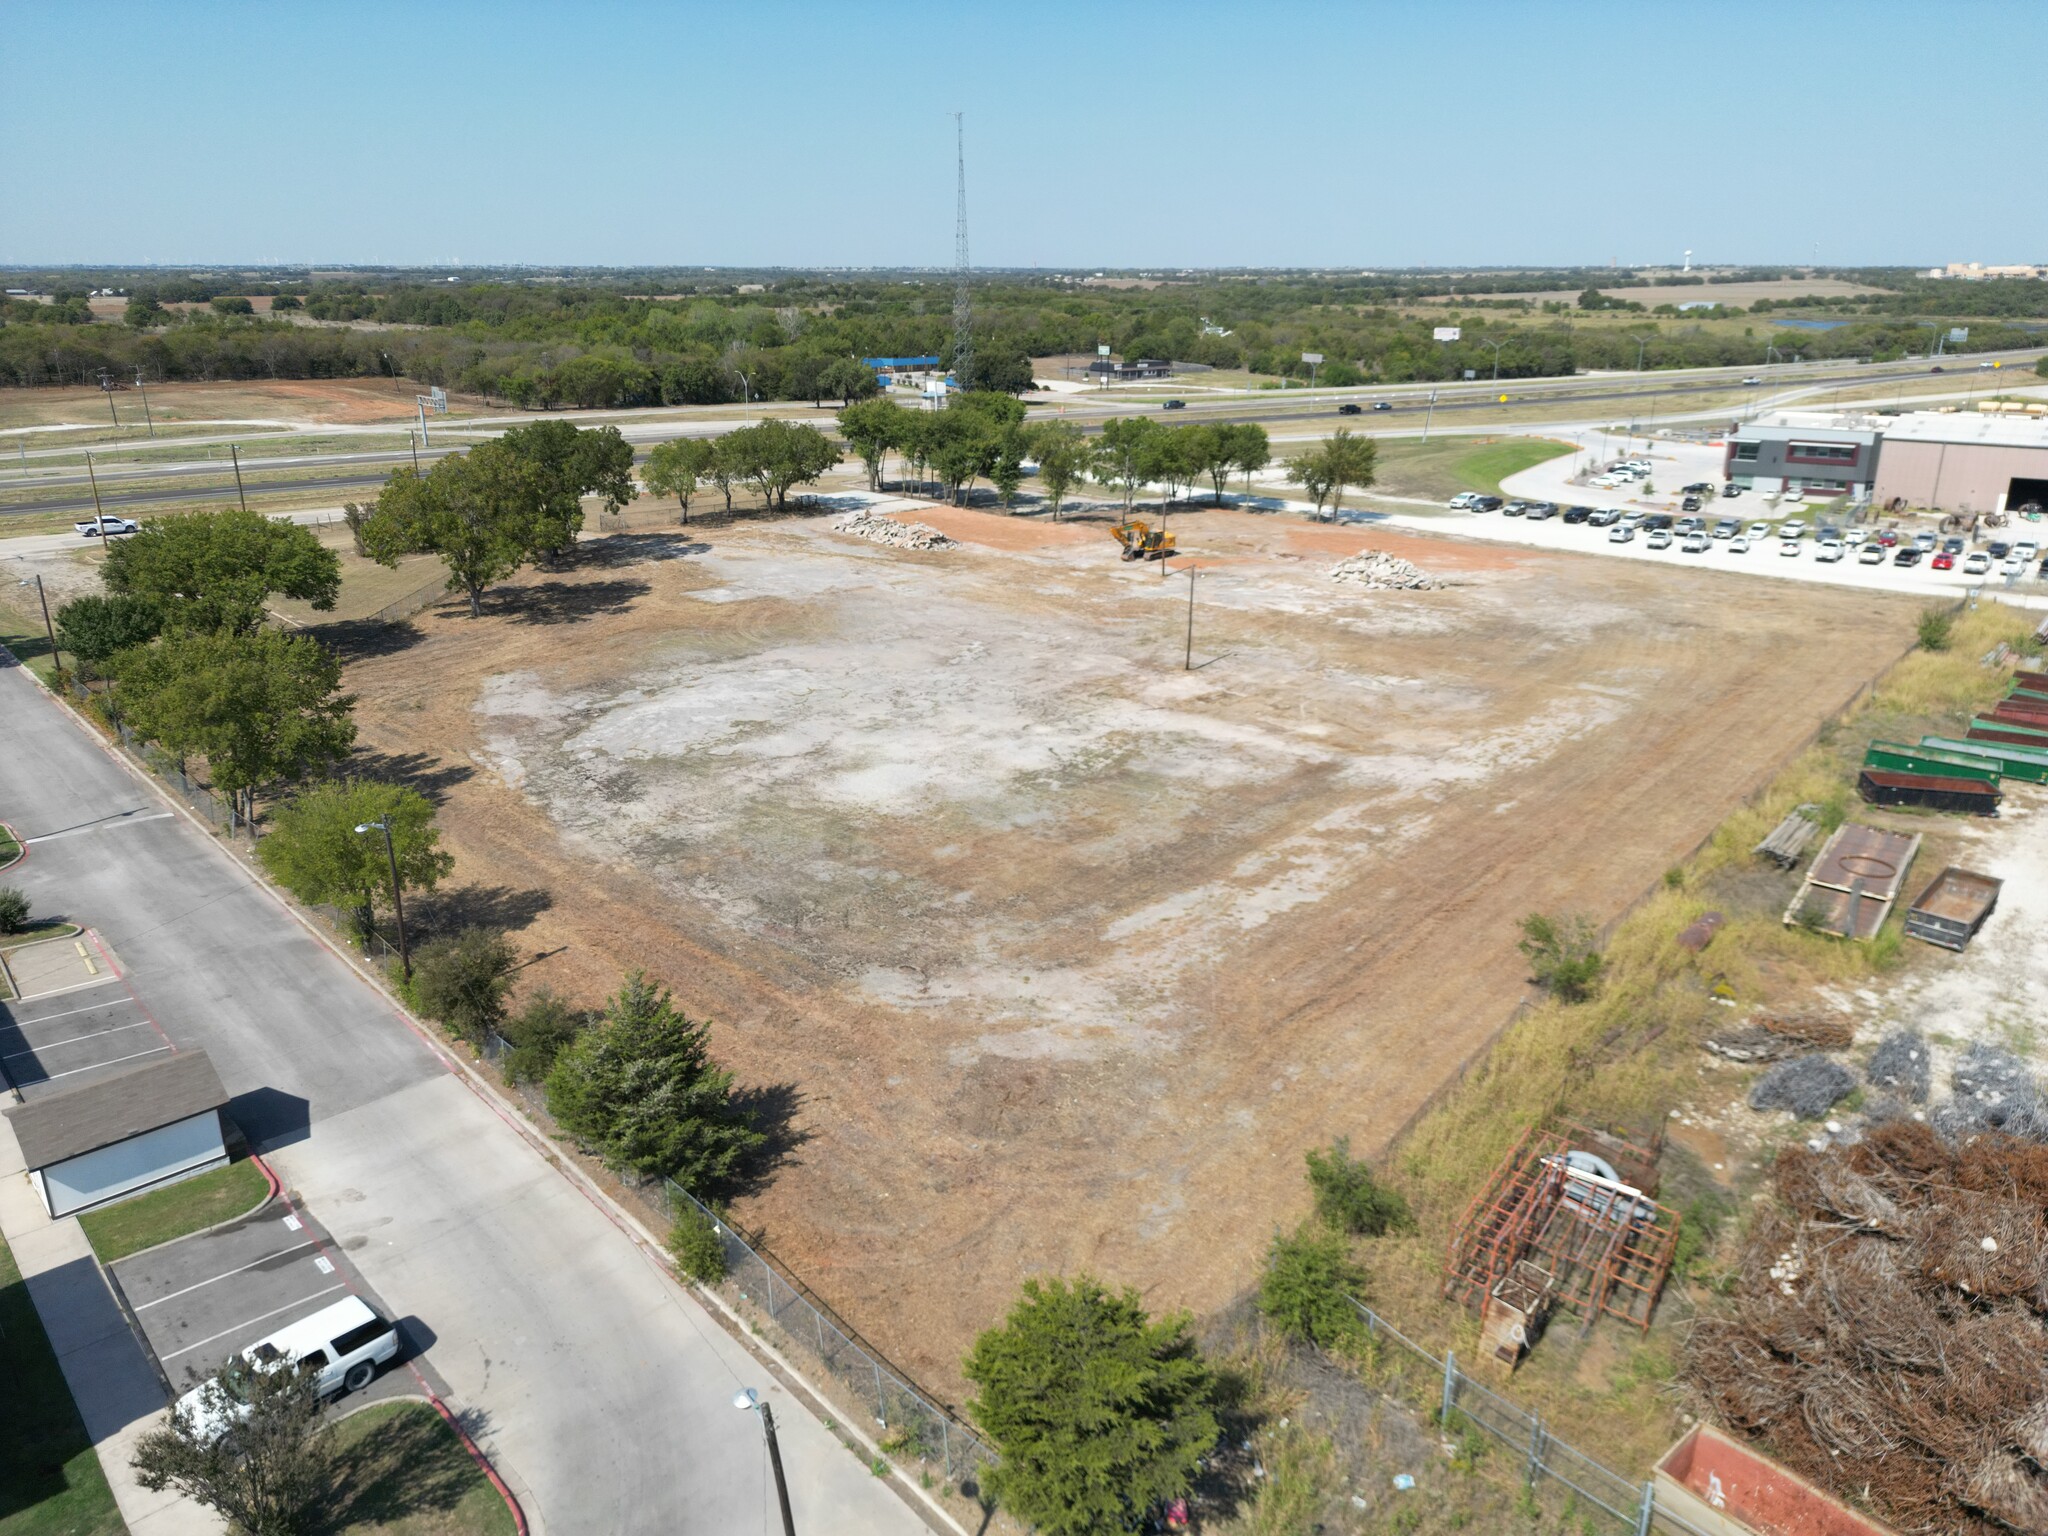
1429, 416
397, 896
235, 454
146, 416
1497, 345
98, 512
1188, 661
749, 1401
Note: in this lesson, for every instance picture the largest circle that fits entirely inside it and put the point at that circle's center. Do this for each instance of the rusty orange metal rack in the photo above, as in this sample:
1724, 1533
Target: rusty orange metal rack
1610, 1254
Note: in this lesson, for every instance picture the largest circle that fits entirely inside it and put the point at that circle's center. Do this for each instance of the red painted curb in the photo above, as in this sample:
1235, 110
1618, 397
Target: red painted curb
20, 843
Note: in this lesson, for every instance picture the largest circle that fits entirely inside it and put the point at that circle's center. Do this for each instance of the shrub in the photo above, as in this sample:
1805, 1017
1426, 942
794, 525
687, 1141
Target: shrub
13, 910
694, 1244
1935, 627
1562, 957
462, 982
539, 1033
1349, 1198
1308, 1277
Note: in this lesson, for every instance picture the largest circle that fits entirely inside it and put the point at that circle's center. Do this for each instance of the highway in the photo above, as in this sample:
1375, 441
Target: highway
1459, 407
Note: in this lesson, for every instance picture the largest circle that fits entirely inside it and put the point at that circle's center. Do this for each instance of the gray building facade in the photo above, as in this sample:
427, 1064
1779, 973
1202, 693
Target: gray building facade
1818, 461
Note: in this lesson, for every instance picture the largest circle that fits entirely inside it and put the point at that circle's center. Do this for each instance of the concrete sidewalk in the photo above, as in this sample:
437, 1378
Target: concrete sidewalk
117, 1390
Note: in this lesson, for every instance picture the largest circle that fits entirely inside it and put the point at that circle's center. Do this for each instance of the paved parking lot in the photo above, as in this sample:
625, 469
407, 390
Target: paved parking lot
79, 1014
206, 1297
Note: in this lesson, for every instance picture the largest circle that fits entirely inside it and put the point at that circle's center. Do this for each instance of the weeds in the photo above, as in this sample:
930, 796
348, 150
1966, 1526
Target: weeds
1564, 958
1349, 1199
1936, 625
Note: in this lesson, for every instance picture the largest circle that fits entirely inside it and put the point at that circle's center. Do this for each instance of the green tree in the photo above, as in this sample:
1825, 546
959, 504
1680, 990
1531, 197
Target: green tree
1351, 461
285, 301
95, 628
315, 852
1063, 456
1168, 459
1348, 1197
14, 909
259, 1450
673, 467
642, 1091
143, 311
773, 456
1253, 451
463, 982
231, 304
569, 464
539, 1033
475, 510
1006, 465
1001, 373
1563, 955
849, 381
1310, 470
1099, 1412
1933, 629
258, 707
1305, 1287
722, 467
872, 428
215, 570
1121, 454
694, 1243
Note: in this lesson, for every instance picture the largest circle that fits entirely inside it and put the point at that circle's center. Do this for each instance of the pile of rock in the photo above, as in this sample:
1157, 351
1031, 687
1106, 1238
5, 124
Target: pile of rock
886, 530
1383, 573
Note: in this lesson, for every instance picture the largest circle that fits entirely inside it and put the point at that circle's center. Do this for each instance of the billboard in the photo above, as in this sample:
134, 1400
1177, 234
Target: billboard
1959, 333
1446, 332
1312, 358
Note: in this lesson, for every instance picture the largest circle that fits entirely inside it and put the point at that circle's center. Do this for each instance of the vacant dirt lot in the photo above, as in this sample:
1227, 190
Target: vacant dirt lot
343, 402
1064, 952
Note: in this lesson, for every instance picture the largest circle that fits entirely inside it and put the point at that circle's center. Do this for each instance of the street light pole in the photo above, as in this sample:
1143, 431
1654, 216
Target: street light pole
98, 512
397, 894
235, 454
1429, 416
1188, 662
1497, 345
56, 656
146, 416
747, 1400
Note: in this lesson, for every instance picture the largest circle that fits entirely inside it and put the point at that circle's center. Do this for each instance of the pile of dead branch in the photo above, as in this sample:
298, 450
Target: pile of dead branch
1886, 1337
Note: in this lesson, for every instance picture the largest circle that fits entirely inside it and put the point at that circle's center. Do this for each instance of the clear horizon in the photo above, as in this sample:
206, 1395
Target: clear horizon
1468, 134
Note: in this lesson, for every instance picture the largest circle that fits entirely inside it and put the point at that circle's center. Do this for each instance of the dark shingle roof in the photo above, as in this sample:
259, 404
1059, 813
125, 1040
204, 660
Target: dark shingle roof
110, 1109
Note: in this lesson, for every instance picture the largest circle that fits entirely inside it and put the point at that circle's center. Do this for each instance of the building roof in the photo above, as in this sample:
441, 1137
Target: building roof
1981, 427
1808, 431
110, 1109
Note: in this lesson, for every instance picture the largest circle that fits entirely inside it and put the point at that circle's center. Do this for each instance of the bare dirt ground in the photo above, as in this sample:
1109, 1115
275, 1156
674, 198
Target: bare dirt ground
1064, 953
343, 402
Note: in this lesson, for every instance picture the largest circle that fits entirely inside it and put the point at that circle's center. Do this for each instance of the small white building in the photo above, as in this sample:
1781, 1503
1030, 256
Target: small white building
125, 1132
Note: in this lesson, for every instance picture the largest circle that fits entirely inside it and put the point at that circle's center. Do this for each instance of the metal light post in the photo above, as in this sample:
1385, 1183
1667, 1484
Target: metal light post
1497, 345
56, 656
146, 416
235, 454
107, 386
413, 441
749, 1401
397, 896
1429, 416
98, 512
1188, 662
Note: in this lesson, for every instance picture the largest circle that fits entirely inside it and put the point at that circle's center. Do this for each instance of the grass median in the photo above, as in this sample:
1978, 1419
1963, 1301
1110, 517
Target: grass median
50, 1478
403, 1472
190, 1205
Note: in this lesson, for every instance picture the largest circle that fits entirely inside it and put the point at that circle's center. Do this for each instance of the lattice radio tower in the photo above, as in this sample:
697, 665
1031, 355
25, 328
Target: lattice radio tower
963, 318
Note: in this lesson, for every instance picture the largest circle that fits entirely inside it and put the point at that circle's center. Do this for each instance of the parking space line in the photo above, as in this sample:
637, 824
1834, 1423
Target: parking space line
125, 819
224, 1274
73, 1072
76, 986
75, 1040
238, 1327
66, 1013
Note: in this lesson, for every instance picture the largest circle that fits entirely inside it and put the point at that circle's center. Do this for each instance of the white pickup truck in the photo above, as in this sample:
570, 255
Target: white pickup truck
105, 526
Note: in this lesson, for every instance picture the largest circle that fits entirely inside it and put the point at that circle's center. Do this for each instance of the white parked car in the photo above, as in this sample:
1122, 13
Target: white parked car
1759, 530
1977, 564
1795, 529
1620, 533
2013, 566
1828, 551
2026, 549
1633, 520
344, 1343
1738, 545
1870, 554
1607, 482
1660, 538
1463, 500
1696, 543
1790, 547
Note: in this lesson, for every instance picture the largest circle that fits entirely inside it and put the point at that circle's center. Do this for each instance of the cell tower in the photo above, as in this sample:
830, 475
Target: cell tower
963, 318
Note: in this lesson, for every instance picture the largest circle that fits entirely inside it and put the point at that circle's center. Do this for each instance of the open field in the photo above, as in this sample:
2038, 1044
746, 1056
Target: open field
1744, 294
350, 402
1064, 953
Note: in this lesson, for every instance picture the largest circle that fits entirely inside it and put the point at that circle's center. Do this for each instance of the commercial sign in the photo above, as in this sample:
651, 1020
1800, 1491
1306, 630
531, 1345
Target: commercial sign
1959, 333
1312, 358
1446, 332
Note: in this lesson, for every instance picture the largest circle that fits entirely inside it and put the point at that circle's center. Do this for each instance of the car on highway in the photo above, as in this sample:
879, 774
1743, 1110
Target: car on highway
1540, 510
2012, 565
1731, 490
1621, 533
1727, 528
1174, 405
1606, 517
1790, 547
1977, 564
1943, 561
1382, 405
1349, 409
1738, 545
1828, 551
1759, 530
106, 526
1905, 554
1577, 514
1870, 554
1696, 543
1935, 369
1660, 538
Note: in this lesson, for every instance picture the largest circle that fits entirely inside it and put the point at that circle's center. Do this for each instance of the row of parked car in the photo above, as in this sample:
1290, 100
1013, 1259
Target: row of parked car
1694, 536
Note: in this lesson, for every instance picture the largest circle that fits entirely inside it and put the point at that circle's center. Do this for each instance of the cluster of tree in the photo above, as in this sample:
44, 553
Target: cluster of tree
1340, 461
773, 457
515, 500
179, 633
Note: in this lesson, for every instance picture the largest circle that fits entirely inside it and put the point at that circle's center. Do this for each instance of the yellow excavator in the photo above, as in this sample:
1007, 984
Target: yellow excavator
1141, 541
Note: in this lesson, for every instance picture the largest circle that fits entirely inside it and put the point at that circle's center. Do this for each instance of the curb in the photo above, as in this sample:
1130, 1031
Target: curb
20, 844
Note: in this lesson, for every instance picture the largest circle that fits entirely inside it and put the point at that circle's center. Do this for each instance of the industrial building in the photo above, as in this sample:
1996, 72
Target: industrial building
1797, 453
1964, 461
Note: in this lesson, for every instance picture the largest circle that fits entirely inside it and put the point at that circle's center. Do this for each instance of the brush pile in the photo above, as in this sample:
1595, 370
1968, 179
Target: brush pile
886, 530
1809, 1086
1886, 1337
1383, 573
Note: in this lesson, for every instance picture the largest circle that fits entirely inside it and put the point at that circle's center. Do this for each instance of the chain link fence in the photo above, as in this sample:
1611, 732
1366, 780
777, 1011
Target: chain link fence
1628, 1506
216, 808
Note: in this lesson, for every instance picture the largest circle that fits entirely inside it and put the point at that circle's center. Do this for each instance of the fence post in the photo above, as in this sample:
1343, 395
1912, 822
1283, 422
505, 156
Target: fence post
1535, 1449
818, 1323
946, 1448
1648, 1510
1450, 1387
881, 1403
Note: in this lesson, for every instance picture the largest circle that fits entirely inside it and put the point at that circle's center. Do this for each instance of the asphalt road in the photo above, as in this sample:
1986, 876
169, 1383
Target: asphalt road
601, 1388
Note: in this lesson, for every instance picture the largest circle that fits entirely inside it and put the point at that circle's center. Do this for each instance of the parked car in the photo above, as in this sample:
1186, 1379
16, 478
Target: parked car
1540, 510
1349, 409
1943, 561
1606, 482
1795, 529
1692, 524
1487, 504
1790, 547
1633, 519
1952, 546
1464, 500
2012, 565
2027, 549
1657, 520
1699, 488
1870, 554
1620, 534
1606, 517
1888, 537
1924, 542
1977, 564
1759, 530
1696, 543
1731, 489
1577, 514
1660, 538
1905, 554
345, 1343
1727, 528
1690, 504
1738, 545
1515, 508
1828, 551
106, 526
1998, 549
1174, 405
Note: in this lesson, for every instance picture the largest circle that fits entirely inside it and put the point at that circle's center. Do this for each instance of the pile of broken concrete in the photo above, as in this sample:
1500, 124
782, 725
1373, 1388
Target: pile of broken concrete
1383, 573
865, 524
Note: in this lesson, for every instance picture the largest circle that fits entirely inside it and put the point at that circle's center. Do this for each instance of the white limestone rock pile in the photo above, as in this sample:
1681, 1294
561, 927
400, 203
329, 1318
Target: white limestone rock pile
886, 530
1383, 573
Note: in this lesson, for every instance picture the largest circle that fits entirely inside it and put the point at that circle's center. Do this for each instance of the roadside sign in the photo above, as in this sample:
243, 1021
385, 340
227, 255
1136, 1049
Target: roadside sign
1448, 332
1312, 358
1102, 351
1503, 399
1471, 373
1959, 333
440, 398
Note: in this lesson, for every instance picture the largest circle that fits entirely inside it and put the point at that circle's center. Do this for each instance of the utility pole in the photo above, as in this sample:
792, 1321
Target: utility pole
963, 314
94, 480
56, 656
107, 385
748, 1401
1430, 416
397, 895
235, 455
413, 441
1188, 661
146, 416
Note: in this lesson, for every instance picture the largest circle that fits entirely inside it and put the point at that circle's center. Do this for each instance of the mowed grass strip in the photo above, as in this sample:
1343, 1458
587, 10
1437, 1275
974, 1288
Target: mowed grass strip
50, 1478
403, 1472
10, 850
1442, 468
177, 1210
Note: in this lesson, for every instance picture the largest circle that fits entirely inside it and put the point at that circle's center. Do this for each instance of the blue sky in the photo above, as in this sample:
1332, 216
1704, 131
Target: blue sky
1189, 133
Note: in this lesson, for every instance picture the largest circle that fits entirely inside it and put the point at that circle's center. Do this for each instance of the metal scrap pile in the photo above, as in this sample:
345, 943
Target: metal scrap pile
1886, 1337
886, 530
1383, 573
